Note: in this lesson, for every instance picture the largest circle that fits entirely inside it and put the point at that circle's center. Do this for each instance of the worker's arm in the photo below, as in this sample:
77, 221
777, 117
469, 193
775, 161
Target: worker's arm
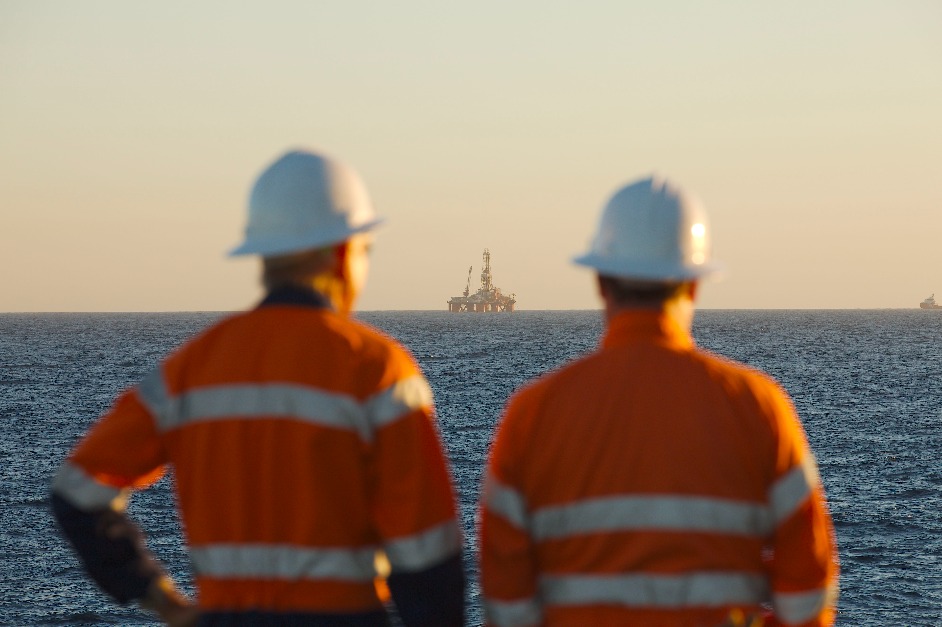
414, 507
89, 494
111, 548
804, 567
508, 571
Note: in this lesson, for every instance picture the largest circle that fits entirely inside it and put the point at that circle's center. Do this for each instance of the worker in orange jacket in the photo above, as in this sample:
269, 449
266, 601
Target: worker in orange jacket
652, 483
303, 444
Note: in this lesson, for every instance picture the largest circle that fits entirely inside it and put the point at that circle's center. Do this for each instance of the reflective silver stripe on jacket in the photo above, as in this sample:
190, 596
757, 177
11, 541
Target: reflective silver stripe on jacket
82, 491
272, 400
505, 502
799, 607
399, 399
793, 489
425, 549
283, 400
524, 613
247, 561
669, 513
661, 512
700, 589
156, 397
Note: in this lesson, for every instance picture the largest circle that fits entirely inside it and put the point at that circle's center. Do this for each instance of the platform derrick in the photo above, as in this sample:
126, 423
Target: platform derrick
488, 298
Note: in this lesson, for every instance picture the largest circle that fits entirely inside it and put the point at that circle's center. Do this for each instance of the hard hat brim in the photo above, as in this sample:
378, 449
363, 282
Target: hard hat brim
286, 244
649, 270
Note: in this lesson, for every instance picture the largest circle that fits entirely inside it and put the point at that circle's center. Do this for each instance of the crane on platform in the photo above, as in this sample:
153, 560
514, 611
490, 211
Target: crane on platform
467, 286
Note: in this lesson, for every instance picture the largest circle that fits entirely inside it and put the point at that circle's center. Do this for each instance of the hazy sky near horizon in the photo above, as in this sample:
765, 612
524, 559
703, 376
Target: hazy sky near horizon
130, 134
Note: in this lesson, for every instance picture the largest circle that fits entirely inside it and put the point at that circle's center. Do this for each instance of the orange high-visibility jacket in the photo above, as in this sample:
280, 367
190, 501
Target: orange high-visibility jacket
301, 442
652, 483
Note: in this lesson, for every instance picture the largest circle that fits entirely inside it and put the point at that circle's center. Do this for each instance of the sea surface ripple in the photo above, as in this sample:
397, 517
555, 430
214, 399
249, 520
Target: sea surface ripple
866, 383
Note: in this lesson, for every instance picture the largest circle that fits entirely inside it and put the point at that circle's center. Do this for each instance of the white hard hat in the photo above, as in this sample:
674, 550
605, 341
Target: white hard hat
303, 201
652, 230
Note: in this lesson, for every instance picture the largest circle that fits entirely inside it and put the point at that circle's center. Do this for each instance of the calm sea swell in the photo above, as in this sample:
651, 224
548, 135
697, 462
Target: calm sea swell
867, 384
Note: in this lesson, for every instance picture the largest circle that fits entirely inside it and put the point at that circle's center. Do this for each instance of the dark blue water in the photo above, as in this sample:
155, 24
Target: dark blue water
867, 384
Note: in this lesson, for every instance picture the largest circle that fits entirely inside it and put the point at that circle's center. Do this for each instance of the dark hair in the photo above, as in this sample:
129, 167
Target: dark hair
294, 267
634, 293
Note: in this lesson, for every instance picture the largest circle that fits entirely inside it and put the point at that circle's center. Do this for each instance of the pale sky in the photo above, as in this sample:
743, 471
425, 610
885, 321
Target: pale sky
131, 132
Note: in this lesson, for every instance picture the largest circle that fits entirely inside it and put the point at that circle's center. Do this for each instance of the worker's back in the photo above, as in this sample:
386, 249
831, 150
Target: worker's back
291, 431
647, 480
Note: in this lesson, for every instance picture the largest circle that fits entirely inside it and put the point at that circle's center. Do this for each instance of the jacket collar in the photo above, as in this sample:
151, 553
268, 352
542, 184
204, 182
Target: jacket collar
295, 295
645, 326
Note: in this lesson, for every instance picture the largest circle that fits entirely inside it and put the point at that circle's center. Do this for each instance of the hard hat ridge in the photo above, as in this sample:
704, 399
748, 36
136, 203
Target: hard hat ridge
305, 200
651, 230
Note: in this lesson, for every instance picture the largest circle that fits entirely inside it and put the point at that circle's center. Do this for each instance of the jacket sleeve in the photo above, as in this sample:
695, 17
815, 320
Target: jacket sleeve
804, 566
89, 495
508, 570
413, 505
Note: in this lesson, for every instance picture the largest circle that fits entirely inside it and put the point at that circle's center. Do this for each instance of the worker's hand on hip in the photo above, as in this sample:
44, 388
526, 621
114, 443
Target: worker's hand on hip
182, 617
171, 606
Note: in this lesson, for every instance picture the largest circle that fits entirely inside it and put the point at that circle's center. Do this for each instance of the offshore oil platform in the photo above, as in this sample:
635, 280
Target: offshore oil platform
487, 299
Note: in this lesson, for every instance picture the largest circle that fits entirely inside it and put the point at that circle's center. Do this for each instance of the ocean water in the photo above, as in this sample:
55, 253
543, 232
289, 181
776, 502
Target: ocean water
867, 384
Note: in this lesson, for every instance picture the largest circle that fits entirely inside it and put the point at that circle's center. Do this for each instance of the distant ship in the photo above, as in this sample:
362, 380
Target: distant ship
929, 303
487, 299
